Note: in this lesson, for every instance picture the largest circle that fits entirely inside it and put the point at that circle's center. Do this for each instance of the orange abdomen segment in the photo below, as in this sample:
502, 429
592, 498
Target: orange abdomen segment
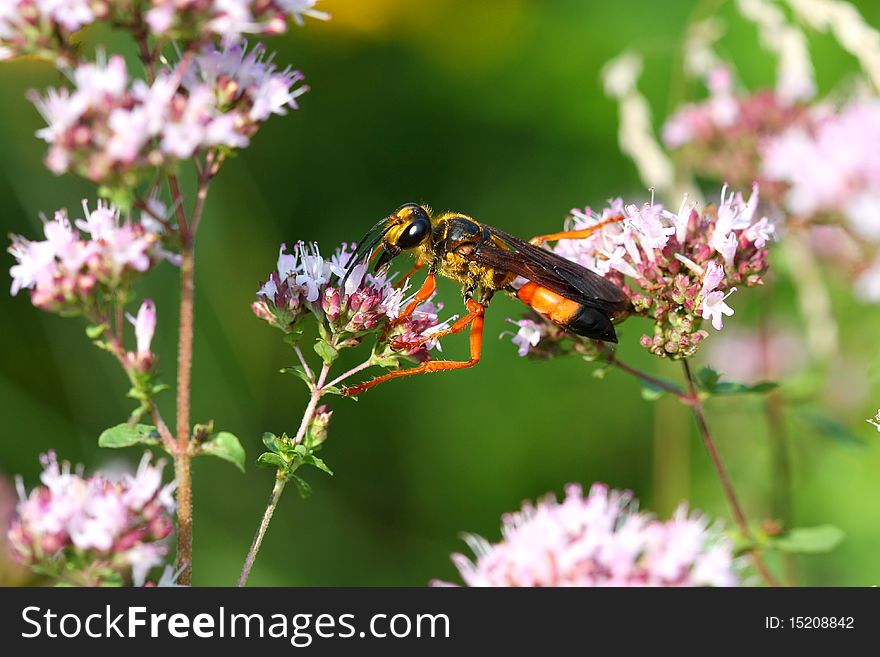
554, 307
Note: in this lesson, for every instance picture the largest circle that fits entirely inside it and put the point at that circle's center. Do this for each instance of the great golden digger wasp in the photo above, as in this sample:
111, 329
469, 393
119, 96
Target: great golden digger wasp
486, 260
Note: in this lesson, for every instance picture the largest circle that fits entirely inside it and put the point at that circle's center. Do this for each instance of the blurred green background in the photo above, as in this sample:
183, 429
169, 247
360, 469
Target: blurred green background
494, 108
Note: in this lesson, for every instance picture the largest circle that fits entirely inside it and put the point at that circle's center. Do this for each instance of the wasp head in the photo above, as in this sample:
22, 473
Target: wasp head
406, 228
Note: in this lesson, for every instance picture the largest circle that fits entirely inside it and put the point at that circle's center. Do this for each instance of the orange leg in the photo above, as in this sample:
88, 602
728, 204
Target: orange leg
474, 310
574, 234
434, 365
416, 267
425, 292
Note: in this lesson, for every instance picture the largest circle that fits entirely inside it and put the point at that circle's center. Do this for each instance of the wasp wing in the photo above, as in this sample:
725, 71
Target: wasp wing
552, 271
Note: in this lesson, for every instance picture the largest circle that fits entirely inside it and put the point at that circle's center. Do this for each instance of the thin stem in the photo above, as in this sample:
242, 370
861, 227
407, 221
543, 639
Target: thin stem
183, 474
205, 174
164, 431
647, 378
280, 481
733, 502
281, 477
177, 200
302, 361
184, 375
184, 371
354, 370
309, 413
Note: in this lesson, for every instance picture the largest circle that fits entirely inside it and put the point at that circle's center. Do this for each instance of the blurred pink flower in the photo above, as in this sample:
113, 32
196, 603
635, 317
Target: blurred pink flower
747, 355
599, 540
227, 18
43, 27
112, 523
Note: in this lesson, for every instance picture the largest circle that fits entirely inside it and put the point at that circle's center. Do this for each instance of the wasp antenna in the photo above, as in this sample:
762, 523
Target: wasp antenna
366, 245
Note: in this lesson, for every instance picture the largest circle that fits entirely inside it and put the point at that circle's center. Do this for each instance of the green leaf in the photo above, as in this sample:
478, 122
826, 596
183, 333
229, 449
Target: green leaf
125, 435
293, 337
733, 388
331, 390
302, 486
386, 361
707, 378
270, 440
96, 331
709, 381
311, 459
810, 540
327, 352
226, 446
270, 460
299, 371
828, 427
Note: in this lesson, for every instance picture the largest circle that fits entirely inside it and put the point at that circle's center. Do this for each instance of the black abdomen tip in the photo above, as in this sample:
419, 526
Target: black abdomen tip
594, 324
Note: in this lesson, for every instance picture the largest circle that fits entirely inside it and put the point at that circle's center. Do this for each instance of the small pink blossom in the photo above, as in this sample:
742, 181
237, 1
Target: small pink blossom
528, 334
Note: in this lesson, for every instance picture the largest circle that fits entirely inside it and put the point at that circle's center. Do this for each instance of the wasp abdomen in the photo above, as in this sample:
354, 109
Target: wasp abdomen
567, 313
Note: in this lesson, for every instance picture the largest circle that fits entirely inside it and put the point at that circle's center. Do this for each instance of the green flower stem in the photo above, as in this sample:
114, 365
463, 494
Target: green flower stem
280, 482
730, 494
317, 393
281, 477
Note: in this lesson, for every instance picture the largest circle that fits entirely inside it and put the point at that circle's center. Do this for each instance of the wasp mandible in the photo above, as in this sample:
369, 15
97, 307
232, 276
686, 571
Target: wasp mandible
486, 260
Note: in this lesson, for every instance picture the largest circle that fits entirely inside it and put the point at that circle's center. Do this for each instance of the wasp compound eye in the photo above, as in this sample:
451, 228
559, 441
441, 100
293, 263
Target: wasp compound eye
415, 232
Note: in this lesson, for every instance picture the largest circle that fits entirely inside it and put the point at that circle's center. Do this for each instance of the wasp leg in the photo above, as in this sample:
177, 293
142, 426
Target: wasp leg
425, 292
434, 365
574, 234
416, 267
474, 310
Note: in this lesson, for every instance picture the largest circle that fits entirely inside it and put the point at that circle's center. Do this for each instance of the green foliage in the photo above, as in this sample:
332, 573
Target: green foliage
226, 446
287, 456
126, 435
709, 382
809, 540
819, 423
326, 351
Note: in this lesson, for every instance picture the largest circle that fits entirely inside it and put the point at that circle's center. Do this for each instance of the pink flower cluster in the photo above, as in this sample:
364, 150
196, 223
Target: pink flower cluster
307, 283
677, 268
599, 540
43, 27
720, 136
80, 528
815, 163
830, 170
109, 128
78, 264
193, 19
